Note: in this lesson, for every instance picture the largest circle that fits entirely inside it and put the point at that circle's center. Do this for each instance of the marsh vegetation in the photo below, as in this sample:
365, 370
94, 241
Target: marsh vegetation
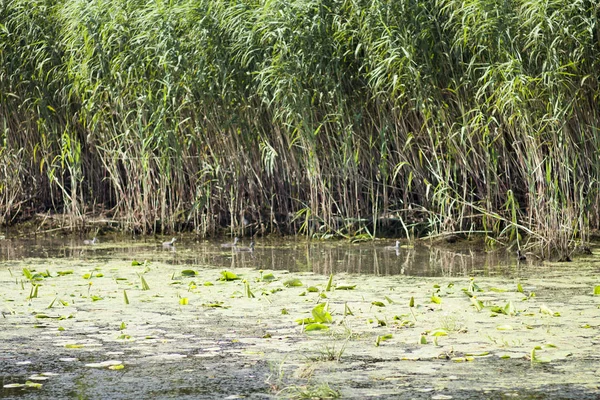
320, 117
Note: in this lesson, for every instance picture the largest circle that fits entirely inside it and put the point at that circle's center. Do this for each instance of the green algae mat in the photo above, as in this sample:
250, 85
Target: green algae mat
85, 327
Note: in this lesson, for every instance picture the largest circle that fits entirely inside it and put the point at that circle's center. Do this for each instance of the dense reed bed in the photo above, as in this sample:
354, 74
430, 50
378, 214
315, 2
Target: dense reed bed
314, 116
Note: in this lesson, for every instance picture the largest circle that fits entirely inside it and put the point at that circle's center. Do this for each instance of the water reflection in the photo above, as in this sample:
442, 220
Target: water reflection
290, 254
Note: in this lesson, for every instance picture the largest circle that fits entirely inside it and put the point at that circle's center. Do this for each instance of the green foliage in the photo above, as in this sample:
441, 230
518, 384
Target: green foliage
228, 276
191, 112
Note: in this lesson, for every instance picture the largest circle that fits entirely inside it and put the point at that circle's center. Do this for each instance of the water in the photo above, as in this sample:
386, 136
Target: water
292, 254
413, 325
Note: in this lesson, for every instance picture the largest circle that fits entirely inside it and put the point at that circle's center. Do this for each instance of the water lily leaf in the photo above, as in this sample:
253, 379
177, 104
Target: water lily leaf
116, 367
345, 287
509, 308
13, 385
305, 321
292, 283
63, 273
378, 303
497, 290
216, 304
439, 332
135, 263
183, 301
188, 272
208, 284
545, 310
504, 327
477, 303
315, 327
312, 289
480, 354
268, 277
436, 299
519, 288
228, 276
320, 314
597, 290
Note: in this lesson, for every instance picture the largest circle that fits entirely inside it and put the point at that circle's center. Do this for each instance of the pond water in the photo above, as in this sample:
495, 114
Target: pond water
126, 319
293, 255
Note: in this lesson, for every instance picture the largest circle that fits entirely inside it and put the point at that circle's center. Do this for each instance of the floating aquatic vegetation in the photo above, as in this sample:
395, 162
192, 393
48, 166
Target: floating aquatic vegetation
347, 310
125, 298
215, 304
228, 276
247, 292
312, 289
345, 287
315, 326
293, 283
269, 277
597, 290
477, 303
144, 283
329, 282
33, 293
320, 316
27, 384
382, 338
547, 311
188, 272
378, 303
508, 309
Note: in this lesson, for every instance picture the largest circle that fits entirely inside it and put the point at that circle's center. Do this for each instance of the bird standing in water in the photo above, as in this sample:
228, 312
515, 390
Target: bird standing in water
170, 244
396, 247
250, 249
235, 241
91, 242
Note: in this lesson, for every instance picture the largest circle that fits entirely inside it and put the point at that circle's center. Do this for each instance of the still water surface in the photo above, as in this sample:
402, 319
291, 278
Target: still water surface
291, 254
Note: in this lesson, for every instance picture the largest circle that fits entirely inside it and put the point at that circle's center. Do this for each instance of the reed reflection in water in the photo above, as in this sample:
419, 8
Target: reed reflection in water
293, 255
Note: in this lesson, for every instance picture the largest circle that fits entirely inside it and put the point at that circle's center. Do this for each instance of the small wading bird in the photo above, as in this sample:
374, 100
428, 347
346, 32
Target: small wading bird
93, 241
250, 249
235, 240
521, 256
396, 247
170, 244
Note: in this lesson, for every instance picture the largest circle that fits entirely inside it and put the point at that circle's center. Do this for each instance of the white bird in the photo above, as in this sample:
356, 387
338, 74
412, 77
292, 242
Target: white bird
235, 240
170, 243
396, 247
250, 249
91, 242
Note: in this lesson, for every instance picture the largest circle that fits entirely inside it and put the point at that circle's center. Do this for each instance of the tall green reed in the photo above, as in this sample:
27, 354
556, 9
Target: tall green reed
315, 116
